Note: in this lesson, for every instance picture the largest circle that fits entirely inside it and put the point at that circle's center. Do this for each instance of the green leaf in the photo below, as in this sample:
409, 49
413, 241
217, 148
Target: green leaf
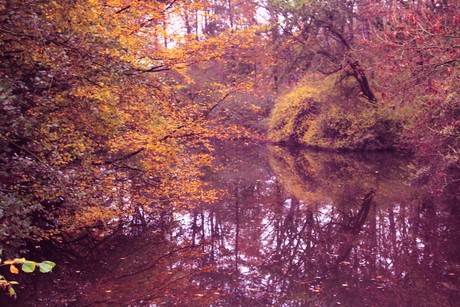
51, 263
11, 291
19, 260
46, 266
29, 266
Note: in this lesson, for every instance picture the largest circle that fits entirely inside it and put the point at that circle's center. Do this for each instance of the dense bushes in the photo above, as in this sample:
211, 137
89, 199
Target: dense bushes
319, 112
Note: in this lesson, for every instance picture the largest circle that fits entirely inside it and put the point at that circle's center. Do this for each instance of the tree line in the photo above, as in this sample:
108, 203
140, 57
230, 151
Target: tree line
108, 107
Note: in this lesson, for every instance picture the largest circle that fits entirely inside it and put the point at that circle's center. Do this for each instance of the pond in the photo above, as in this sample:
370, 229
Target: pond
292, 227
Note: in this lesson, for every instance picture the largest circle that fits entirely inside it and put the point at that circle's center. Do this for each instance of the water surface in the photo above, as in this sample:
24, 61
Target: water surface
293, 227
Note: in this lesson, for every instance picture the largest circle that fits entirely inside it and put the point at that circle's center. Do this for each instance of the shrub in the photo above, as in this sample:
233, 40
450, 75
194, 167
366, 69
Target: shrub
316, 113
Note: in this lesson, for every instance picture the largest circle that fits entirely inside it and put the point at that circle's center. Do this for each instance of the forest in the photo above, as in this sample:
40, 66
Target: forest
112, 112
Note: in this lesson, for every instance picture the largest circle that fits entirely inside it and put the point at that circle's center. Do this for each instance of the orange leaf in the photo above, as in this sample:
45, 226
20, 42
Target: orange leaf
14, 269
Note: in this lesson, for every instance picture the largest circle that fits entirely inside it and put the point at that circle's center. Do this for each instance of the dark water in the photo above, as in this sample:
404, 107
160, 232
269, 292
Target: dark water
292, 228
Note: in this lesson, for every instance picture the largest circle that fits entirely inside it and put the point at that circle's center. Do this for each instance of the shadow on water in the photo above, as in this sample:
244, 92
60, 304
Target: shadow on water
293, 227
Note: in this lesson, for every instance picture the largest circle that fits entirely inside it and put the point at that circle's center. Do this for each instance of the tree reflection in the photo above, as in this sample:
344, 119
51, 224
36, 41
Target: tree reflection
326, 237
291, 228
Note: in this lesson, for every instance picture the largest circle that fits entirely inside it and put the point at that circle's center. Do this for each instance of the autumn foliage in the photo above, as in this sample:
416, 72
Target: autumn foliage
99, 125
391, 64
109, 109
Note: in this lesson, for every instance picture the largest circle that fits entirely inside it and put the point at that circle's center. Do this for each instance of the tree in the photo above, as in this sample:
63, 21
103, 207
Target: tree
322, 36
94, 128
225, 60
324, 48
418, 71
396, 54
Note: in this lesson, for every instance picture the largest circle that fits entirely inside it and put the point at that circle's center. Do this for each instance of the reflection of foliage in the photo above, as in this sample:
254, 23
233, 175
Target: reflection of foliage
126, 270
324, 177
382, 265
259, 245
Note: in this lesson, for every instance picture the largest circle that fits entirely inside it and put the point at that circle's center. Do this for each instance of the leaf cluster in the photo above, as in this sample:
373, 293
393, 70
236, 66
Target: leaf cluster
96, 124
27, 266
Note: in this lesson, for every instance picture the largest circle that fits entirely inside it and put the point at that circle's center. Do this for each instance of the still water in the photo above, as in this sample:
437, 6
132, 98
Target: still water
292, 227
